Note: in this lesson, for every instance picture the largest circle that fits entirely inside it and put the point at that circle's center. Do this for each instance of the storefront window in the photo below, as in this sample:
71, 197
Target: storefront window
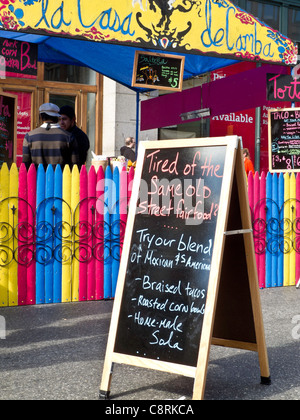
294, 24
268, 13
194, 129
61, 100
69, 74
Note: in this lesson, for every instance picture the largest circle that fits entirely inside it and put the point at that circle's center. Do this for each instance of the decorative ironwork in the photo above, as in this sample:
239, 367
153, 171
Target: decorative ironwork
53, 232
273, 231
57, 233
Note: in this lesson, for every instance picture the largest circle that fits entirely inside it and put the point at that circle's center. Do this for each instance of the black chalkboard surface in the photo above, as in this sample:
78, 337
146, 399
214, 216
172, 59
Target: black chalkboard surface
158, 71
8, 128
168, 309
284, 140
170, 255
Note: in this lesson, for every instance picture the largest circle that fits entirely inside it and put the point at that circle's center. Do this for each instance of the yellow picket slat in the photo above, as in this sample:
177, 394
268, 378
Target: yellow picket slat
66, 231
74, 203
13, 221
5, 255
286, 257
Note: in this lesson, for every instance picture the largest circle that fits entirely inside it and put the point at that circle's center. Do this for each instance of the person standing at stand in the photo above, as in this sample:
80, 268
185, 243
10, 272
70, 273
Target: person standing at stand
49, 144
247, 162
68, 123
128, 150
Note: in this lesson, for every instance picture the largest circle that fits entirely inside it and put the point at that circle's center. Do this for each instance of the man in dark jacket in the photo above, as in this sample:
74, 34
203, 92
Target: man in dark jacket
68, 123
128, 150
49, 144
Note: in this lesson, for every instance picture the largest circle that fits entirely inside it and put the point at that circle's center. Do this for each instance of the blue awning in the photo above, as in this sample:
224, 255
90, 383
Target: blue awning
111, 60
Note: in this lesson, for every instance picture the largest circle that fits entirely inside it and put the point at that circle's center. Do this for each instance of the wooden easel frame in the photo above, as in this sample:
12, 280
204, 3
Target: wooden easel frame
233, 167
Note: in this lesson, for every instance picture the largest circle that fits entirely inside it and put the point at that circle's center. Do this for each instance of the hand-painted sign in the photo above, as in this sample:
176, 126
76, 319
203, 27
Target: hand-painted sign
158, 71
284, 140
8, 128
282, 88
215, 27
18, 59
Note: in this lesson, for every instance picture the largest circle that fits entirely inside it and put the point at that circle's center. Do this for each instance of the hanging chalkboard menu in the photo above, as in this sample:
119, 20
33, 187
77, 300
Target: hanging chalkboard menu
167, 291
158, 71
284, 140
8, 128
18, 59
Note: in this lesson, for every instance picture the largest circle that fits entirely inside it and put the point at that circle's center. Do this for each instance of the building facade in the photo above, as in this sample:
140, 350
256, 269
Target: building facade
109, 112
251, 124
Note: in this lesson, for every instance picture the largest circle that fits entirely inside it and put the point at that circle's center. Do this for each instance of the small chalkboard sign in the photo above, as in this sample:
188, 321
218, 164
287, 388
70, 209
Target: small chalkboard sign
186, 194
8, 128
158, 71
284, 140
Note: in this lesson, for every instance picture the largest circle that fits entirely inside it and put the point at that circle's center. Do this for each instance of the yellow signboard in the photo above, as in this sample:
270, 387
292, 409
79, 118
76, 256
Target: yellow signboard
211, 27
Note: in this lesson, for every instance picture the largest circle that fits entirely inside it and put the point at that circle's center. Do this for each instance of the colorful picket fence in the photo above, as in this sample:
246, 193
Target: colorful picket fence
61, 233
275, 205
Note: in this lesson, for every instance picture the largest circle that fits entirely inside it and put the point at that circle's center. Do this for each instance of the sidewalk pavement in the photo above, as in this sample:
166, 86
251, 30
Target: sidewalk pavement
56, 352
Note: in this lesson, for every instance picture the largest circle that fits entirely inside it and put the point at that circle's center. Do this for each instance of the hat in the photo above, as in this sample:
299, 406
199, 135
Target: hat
68, 111
50, 109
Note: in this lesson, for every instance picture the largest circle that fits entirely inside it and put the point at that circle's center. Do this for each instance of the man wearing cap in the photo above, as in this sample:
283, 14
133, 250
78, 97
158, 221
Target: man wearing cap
68, 123
49, 144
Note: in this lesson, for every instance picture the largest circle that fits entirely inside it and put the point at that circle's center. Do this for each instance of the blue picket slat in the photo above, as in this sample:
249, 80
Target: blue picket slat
40, 235
275, 230
280, 239
57, 266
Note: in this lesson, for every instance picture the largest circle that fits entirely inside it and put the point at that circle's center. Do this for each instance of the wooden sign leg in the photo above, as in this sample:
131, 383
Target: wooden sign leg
252, 271
237, 319
104, 392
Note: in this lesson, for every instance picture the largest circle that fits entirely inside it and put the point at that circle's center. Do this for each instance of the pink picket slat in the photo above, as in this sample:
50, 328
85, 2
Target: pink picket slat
130, 182
262, 216
83, 234
251, 191
91, 265
100, 235
256, 192
31, 269
22, 236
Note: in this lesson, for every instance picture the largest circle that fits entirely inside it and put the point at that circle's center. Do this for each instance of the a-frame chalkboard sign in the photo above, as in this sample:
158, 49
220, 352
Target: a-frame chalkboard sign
188, 276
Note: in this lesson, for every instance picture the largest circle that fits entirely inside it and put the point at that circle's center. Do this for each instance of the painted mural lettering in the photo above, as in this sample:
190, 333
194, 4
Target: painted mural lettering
106, 20
193, 26
224, 35
109, 19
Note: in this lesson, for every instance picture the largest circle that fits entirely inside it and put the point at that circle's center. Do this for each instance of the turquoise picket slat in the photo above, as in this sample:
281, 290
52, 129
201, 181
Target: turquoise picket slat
269, 206
107, 234
115, 229
40, 235
49, 219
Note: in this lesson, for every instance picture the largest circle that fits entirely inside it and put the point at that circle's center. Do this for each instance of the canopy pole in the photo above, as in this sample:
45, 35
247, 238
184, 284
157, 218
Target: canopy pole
137, 122
257, 138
